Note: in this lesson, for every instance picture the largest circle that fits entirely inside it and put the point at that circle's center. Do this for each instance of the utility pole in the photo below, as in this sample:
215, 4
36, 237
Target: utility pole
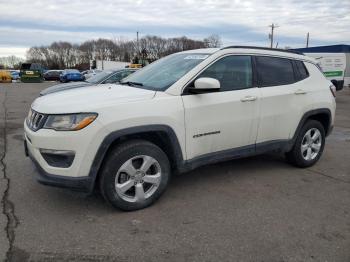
307, 39
137, 41
273, 26
136, 57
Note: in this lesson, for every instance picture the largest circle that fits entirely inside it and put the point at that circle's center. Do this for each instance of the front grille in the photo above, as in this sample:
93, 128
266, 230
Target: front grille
35, 120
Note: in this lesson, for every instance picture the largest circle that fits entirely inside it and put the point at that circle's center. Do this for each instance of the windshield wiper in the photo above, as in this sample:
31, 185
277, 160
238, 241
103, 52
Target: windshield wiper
130, 83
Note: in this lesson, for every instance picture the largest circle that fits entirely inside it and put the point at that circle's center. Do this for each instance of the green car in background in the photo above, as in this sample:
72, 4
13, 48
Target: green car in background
31, 72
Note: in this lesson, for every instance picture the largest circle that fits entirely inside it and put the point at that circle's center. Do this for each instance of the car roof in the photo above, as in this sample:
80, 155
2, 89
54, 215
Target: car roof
256, 51
263, 48
269, 52
201, 51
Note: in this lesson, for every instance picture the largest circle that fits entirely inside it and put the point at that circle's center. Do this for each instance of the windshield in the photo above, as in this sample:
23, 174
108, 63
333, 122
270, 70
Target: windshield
163, 73
25, 66
98, 77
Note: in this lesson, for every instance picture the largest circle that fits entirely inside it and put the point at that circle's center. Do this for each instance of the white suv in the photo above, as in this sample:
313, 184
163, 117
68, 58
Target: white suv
180, 112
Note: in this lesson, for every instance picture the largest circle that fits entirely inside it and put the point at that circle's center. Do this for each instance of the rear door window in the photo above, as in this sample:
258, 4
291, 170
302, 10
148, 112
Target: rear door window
274, 71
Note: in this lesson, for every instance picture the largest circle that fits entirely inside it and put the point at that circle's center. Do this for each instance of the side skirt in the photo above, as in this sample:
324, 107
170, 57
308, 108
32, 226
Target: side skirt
240, 152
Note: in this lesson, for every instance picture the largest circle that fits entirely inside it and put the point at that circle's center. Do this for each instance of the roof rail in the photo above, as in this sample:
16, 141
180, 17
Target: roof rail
264, 48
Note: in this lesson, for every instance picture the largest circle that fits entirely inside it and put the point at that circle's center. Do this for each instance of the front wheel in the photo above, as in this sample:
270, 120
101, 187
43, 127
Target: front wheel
308, 146
134, 175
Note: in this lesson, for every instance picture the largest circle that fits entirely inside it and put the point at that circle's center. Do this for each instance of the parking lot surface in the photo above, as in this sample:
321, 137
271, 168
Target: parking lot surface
254, 209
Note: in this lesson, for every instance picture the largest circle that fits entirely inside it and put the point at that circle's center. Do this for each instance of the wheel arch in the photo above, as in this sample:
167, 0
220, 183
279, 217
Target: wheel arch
323, 115
161, 135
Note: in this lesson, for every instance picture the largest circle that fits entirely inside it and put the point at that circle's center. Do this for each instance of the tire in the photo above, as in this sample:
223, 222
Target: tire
308, 146
126, 170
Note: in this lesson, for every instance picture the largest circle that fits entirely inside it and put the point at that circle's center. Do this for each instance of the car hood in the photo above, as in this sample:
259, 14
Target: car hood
61, 87
89, 99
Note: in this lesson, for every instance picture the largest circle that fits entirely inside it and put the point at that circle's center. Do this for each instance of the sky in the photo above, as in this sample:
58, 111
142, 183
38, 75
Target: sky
26, 23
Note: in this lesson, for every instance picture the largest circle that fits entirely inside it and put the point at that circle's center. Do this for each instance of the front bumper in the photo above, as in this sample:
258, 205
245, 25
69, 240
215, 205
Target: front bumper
83, 184
75, 175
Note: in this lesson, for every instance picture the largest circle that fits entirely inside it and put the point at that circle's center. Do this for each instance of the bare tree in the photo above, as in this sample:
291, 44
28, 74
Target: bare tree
213, 41
67, 55
10, 61
87, 51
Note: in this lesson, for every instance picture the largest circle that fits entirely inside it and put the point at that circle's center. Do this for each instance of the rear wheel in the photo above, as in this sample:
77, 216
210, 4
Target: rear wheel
308, 146
134, 175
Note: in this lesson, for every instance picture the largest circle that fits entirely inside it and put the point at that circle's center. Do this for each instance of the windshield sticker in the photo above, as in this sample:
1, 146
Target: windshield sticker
198, 57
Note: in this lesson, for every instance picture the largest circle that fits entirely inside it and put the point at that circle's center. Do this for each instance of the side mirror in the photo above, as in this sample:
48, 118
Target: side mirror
338, 84
205, 84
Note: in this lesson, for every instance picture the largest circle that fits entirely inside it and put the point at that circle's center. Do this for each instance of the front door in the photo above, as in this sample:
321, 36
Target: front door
226, 119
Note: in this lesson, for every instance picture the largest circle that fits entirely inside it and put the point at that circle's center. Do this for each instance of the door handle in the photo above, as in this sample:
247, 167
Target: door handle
248, 98
300, 92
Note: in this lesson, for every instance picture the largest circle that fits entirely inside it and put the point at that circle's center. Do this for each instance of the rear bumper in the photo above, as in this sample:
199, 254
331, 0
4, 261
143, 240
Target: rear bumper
82, 184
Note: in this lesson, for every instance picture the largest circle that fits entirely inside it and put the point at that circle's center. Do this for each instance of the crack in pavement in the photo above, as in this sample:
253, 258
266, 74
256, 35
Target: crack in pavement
8, 208
331, 177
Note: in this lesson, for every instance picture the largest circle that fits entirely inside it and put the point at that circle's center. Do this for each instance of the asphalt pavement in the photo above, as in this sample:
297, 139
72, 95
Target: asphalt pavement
254, 209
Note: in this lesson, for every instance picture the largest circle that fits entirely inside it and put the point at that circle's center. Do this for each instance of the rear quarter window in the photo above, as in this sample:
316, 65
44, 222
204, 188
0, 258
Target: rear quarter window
301, 71
274, 71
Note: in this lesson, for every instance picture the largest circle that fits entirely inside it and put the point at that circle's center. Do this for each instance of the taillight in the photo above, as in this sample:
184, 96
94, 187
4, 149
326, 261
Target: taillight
333, 89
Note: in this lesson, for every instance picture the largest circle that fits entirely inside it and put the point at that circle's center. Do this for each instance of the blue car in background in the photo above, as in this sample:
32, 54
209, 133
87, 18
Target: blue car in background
105, 77
14, 75
71, 75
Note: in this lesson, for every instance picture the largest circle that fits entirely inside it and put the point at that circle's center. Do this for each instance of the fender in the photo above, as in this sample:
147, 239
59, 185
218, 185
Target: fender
110, 138
304, 118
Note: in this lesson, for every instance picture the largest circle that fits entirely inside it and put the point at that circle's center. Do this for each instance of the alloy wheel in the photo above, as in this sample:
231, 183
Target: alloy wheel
311, 144
138, 178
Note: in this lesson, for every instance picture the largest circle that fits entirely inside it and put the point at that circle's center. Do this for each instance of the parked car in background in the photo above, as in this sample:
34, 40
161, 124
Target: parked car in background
31, 72
105, 77
90, 73
333, 66
14, 74
5, 76
52, 75
71, 75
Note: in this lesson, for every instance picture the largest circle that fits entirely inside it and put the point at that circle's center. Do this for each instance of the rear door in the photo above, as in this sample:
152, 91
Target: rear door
225, 119
285, 96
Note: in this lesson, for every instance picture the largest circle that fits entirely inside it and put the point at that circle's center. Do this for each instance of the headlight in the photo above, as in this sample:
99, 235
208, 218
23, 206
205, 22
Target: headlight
71, 122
